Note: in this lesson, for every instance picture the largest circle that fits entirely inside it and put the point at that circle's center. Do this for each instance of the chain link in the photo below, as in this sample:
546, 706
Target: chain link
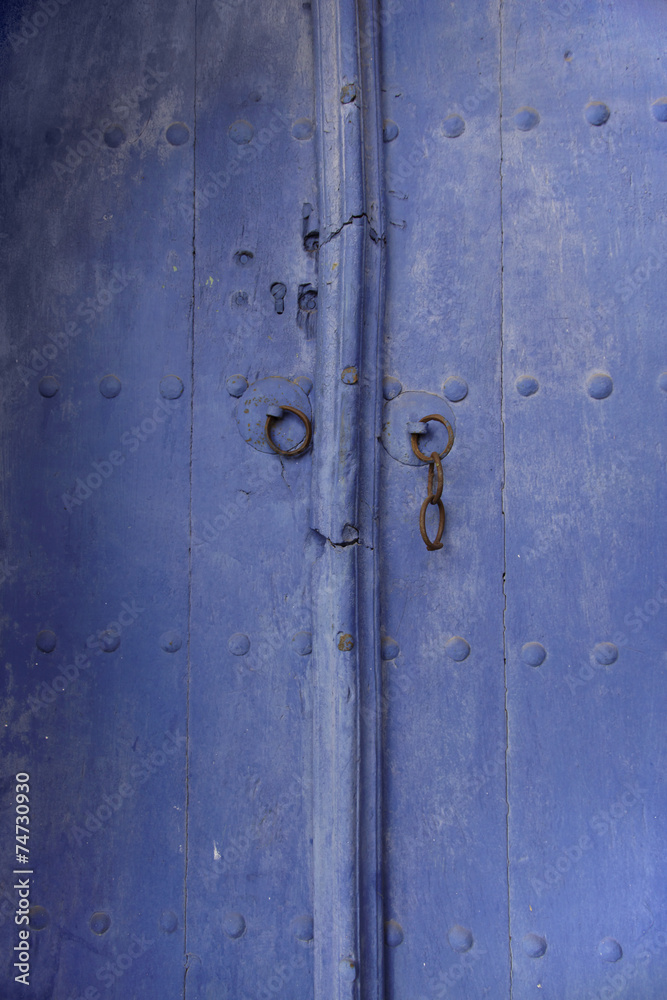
434, 495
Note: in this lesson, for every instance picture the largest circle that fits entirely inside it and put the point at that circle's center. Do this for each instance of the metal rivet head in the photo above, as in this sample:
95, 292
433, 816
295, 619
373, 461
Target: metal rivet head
349, 375
606, 653
241, 132
243, 257
48, 386
236, 385
389, 130
597, 113
110, 386
391, 387
455, 388
109, 641
345, 642
238, 644
389, 648
533, 653
100, 922
46, 640
348, 93
610, 950
453, 126
170, 641
171, 387
302, 643
599, 385
115, 137
302, 927
303, 128
659, 109
348, 970
534, 945
460, 938
393, 933
178, 134
527, 385
38, 918
526, 118
234, 925
457, 648
304, 383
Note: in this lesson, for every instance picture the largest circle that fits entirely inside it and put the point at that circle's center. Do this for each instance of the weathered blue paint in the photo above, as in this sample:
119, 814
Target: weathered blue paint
444, 751
96, 282
583, 297
347, 762
250, 703
276, 747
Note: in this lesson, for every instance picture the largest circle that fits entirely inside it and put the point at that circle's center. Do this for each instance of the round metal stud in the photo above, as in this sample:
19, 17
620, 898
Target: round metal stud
460, 938
177, 134
533, 653
100, 922
534, 945
238, 644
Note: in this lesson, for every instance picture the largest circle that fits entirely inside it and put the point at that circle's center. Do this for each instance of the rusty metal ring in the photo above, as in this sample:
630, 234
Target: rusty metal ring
304, 420
436, 543
435, 463
424, 420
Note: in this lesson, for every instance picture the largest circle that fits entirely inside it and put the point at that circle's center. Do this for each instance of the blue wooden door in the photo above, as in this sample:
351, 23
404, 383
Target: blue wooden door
259, 740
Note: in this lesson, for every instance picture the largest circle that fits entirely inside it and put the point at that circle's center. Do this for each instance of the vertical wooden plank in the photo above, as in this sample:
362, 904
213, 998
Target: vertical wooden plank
250, 871
584, 252
347, 818
445, 883
96, 285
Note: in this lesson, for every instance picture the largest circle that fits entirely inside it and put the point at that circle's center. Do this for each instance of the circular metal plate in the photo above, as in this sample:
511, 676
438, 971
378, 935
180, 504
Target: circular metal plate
250, 413
408, 407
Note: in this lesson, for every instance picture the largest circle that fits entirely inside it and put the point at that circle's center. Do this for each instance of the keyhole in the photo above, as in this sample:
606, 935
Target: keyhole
279, 291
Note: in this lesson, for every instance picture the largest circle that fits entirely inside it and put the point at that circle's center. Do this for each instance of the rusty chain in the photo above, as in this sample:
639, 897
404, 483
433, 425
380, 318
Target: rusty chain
434, 496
